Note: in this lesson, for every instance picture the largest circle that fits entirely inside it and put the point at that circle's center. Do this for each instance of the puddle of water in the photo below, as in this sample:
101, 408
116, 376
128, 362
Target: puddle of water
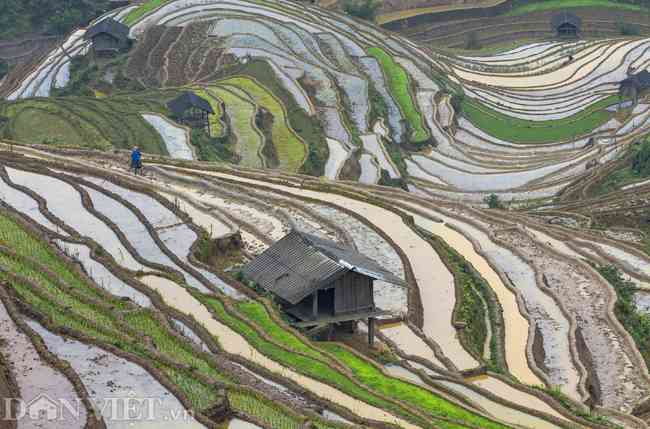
101, 275
410, 343
179, 298
434, 281
27, 206
517, 326
65, 203
241, 424
35, 377
501, 412
112, 381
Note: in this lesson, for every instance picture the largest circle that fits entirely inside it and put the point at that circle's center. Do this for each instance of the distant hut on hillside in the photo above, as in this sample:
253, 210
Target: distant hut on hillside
108, 36
191, 110
565, 24
320, 283
634, 85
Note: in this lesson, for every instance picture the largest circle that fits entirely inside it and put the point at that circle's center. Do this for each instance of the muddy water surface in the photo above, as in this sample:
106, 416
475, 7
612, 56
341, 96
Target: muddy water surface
241, 424
35, 377
65, 203
232, 342
27, 206
410, 343
101, 275
112, 380
516, 325
501, 412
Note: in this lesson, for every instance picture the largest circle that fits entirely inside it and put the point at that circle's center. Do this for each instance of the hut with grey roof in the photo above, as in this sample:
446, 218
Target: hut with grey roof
191, 110
320, 283
108, 36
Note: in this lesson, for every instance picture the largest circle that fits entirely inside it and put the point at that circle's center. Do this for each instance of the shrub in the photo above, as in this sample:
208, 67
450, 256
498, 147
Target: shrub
493, 201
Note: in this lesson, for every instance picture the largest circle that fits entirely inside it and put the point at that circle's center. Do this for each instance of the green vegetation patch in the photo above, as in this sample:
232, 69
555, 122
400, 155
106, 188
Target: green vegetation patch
635, 322
307, 127
524, 131
288, 147
110, 122
400, 86
543, 5
407, 392
146, 7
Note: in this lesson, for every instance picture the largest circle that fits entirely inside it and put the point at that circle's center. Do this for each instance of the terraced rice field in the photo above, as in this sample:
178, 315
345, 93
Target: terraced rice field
511, 317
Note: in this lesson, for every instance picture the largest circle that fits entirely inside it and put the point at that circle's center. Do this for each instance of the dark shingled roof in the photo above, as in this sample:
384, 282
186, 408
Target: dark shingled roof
640, 80
108, 26
301, 263
565, 18
180, 104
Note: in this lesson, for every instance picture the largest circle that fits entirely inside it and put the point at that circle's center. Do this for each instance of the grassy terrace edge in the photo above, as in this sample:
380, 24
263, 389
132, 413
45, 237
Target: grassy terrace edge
524, 131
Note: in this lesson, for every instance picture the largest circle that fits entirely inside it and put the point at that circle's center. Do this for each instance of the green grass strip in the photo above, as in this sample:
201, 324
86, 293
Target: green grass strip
250, 405
258, 314
543, 5
146, 7
400, 86
305, 365
436, 406
524, 131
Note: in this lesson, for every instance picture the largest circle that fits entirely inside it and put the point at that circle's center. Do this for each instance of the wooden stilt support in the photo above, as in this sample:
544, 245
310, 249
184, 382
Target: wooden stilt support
315, 305
371, 331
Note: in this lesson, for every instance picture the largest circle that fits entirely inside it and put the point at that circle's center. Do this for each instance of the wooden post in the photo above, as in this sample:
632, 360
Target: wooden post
371, 331
315, 305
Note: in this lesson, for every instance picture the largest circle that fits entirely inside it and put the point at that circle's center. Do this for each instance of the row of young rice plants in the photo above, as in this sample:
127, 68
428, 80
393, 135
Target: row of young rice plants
371, 376
517, 130
400, 87
76, 306
364, 372
290, 149
309, 366
66, 308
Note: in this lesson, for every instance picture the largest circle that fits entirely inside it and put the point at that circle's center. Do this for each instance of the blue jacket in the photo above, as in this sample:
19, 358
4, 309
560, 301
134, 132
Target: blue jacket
136, 157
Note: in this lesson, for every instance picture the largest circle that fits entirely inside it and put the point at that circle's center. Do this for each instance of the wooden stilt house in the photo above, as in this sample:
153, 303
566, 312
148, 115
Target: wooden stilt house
566, 25
634, 85
109, 37
320, 283
191, 110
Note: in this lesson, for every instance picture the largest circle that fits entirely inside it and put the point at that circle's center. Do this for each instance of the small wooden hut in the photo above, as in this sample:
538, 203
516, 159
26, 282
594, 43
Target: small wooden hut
320, 283
109, 37
191, 110
566, 25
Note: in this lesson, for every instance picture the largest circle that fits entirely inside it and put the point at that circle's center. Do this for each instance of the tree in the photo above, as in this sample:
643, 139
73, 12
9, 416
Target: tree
4, 68
364, 9
493, 201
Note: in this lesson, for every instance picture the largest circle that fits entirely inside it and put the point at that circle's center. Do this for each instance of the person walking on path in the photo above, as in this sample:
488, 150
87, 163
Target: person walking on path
136, 160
